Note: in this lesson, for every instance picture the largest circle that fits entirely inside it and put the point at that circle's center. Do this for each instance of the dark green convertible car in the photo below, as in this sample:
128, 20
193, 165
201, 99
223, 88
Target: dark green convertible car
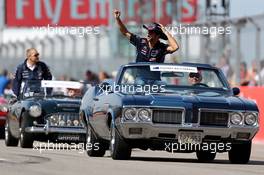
45, 111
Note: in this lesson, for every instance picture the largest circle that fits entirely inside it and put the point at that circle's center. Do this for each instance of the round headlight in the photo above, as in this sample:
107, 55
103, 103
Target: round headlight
250, 119
236, 118
130, 114
144, 115
3, 109
75, 122
35, 110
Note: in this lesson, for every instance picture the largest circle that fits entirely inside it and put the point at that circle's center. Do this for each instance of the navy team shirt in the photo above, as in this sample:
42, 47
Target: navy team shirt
23, 73
145, 53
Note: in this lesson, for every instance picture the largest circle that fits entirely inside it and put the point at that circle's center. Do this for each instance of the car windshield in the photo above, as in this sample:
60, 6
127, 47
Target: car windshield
34, 88
173, 77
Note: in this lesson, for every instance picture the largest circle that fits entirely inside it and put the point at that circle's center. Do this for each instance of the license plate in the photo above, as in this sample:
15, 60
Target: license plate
68, 137
190, 137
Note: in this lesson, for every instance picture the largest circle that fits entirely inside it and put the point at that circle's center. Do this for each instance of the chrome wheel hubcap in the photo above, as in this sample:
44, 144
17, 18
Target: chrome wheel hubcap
88, 135
6, 132
21, 135
112, 139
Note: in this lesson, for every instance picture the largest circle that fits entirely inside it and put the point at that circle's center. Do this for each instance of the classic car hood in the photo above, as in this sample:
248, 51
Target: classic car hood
194, 101
53, 105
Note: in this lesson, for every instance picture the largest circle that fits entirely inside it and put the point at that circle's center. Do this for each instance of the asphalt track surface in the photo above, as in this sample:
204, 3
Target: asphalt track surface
18, 161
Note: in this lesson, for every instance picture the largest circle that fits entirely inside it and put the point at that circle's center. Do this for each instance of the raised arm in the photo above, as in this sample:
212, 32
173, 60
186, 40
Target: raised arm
173, 45
120, 24
47, 74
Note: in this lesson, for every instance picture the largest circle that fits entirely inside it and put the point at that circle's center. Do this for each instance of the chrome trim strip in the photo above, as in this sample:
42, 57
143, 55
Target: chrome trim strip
141, 106
55, 130
47, 127
52, 129
68, 105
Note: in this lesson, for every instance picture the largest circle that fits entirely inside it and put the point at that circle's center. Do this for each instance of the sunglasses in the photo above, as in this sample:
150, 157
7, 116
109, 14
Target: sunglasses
37, 54
194, 75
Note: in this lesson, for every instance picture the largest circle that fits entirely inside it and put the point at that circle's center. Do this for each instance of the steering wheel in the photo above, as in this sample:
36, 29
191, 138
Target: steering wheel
201, 85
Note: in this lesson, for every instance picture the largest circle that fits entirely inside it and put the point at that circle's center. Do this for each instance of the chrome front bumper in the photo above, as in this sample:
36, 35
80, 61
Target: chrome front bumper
34, 129
150, 130
47, 129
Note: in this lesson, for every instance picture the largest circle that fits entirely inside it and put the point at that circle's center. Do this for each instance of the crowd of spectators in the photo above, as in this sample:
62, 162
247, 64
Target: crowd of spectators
5, 82
249, 76
90, 78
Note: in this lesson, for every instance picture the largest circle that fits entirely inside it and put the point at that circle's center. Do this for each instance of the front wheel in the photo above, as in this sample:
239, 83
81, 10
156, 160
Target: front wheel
2, 132
240, 153
26, 139
94, 147
119, 149
9, 139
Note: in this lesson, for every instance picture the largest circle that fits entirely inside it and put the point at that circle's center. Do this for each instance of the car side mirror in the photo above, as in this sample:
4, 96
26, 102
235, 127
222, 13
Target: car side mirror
236, 91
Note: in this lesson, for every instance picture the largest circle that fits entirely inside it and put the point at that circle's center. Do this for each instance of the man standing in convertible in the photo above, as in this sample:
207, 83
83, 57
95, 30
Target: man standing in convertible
30, 69
149, 49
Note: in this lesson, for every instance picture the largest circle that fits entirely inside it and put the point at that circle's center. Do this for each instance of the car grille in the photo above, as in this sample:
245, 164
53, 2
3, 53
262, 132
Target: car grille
214, 118
167, 116
68, 105
64, 119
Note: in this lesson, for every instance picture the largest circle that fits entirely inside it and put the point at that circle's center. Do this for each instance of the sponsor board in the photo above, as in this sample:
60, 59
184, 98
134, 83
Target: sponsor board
172, 68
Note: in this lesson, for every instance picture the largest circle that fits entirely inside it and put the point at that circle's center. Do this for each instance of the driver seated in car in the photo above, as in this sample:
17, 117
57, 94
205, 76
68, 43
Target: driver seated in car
195, 78
73, 92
